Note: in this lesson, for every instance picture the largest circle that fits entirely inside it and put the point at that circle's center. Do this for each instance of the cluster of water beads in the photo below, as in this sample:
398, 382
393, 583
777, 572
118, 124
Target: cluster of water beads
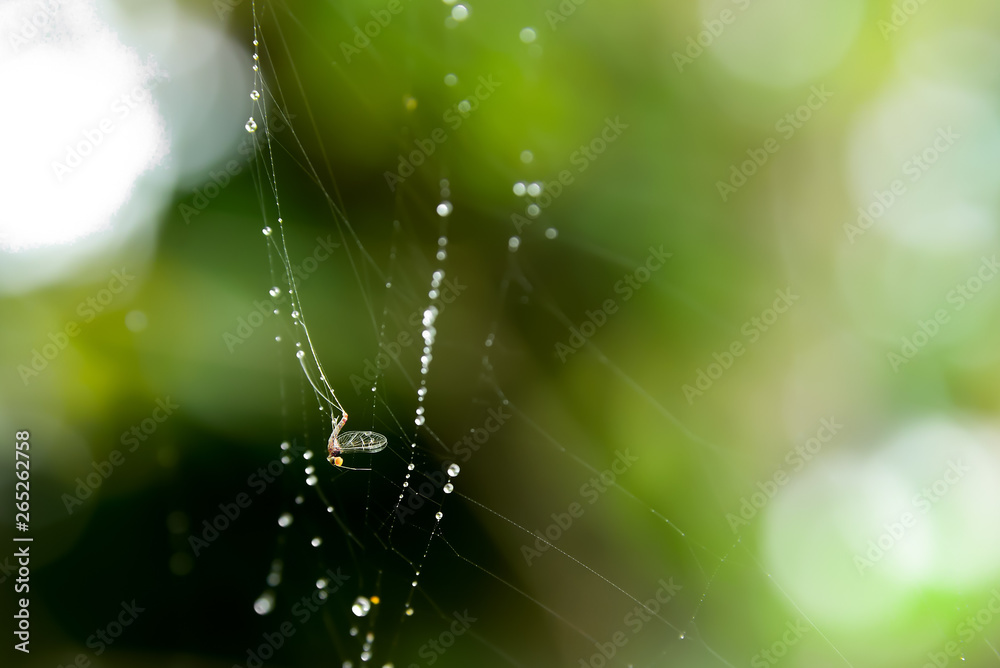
533, 210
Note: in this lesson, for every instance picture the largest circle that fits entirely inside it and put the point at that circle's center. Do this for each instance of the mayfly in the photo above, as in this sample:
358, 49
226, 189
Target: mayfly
352, 441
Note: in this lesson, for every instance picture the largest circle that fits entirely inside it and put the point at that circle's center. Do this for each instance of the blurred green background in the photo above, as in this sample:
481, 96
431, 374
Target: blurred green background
808, 383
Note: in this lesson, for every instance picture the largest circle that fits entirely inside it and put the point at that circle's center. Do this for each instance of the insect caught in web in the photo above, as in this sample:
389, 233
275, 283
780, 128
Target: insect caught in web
352, 441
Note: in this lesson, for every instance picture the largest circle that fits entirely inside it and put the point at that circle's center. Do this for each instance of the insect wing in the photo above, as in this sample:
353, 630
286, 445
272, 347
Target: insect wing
361, 441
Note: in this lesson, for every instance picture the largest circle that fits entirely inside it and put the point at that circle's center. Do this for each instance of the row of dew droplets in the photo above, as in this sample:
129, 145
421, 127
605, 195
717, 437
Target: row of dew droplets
265, 603
428, 334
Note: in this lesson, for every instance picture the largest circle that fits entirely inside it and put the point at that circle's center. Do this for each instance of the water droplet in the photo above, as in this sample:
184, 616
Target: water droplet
527, 156
255, 68
409, 611
441, 255
300, 354
551, 233
361, 606
285, 519
450, 80
254, 95
299, 500
274, 292
312, 480
354, 630
454, 470
513, 243
274, 579
264, 604
316, 542
277, 338
682, 635
410, 467
444, 208
464, 106
520, 189
533, 210
419, 420
459, 12
255, 56
528, 35
432, 294
366, 655
449, 488
255, 42
308, 454
295, 315
439, 515
285, 445
535, 189
266, 231
251, 125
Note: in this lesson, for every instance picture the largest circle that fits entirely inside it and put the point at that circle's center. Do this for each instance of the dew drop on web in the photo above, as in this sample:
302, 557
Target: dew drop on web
251, 125
264, 604
285, 519
361, 606
454, 470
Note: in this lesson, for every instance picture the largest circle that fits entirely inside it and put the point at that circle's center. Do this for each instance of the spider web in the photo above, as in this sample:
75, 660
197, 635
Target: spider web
472, 538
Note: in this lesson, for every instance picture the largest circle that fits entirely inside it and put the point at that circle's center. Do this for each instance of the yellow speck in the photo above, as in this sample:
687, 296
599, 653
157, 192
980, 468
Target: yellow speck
375, 600
410, 103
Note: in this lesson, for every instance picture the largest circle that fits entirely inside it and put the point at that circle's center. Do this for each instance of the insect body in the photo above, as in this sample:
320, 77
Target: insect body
352, 441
